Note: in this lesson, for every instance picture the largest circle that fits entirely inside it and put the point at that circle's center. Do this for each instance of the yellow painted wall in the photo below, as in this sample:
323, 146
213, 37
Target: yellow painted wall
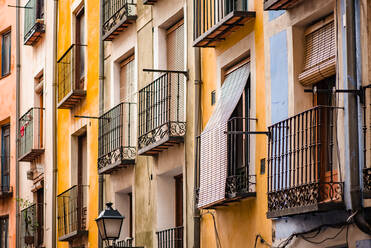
67, 124
240, 222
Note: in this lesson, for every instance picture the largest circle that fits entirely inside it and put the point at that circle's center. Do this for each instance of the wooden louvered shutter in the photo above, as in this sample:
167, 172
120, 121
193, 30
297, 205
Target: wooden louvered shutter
320, 52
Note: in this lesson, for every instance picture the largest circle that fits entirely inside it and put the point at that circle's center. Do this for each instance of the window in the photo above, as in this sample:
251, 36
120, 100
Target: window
5, 54
320, 52
178, 200
5, 157
175, 46
40, 9
40, 217
4, 223
80, 51
127, 79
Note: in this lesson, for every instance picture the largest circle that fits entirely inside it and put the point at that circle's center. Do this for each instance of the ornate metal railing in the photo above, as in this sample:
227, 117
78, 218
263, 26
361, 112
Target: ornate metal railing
280, 4
172, 237
214, 19
118, 14
117, 137
367, 182
72, 212
366, 127
128, 242
161, 113
30, 144
302, 168
70, 85
33, 21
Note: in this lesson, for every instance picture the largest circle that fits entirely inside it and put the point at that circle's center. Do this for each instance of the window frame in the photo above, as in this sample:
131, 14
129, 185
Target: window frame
5, 158
3, 35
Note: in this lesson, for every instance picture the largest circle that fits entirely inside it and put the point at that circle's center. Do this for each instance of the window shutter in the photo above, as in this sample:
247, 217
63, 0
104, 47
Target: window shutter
320, 52
175, 47
214, 152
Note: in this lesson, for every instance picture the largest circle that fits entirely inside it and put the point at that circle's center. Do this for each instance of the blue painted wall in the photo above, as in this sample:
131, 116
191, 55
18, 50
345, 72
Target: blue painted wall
279, 76
273, 14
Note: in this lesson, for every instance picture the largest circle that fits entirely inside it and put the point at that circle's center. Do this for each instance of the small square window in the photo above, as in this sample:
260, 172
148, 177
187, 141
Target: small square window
213, 97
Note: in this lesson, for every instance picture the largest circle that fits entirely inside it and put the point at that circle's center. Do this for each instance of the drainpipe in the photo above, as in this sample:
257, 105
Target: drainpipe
352, 169
18, 80
197, 131
101, 105
54, 125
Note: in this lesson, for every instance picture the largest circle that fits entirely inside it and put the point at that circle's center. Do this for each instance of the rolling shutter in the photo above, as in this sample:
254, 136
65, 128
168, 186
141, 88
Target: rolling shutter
320, 52
213, 159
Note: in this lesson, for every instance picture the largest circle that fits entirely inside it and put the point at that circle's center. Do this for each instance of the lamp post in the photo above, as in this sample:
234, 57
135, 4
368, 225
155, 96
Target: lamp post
109, 224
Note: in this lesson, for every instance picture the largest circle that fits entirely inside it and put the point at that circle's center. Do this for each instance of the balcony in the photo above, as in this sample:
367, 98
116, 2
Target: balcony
70, 81
303, 173
161, 114
31, 135
33, 21
215, 20
118, 15
280, 4
367, 183
117, 138
72, 213
172, 237
31, 230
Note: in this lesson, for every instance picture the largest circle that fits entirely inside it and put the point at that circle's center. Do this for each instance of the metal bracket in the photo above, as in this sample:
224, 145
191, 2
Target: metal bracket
185, 73
19, 7
248, 132
359, 92
90, 117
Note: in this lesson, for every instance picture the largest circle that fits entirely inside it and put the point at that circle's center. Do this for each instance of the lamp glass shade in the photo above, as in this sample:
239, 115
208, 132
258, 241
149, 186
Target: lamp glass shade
109, 223
113, 228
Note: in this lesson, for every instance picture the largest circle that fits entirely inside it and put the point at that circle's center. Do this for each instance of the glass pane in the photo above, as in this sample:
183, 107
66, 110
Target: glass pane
5, 58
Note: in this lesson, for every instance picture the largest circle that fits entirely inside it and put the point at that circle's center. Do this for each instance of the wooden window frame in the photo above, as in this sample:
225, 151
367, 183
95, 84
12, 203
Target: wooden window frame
3, 34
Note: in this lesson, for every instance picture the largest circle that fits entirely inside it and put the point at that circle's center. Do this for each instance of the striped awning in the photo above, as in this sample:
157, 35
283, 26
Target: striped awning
214, 157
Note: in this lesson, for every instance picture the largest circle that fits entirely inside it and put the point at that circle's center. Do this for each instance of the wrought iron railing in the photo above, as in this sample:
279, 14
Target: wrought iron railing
30, 142
116, 12
280, 4
208, 13
172, 237
128, 242
72, 212
33, 21
68, 69
117, 135
366, 127
31, 229
302, 168
162, 110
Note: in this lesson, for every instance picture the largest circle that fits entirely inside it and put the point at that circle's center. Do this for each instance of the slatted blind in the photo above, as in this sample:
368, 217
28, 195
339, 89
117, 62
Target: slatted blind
214, 157
320, 52
127, 80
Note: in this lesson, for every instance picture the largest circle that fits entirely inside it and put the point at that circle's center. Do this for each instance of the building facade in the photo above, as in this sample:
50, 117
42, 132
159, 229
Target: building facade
146, 154
231, 180
8, 121
316, 59
36, 137
77, 129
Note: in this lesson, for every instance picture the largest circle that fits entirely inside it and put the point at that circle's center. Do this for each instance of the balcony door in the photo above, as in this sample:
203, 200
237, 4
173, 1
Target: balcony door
325, 134
82, 181
5, 157
80, 49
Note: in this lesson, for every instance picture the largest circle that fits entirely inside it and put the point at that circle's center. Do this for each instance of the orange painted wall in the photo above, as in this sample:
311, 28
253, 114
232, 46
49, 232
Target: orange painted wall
239, 223
89, 107
8, 113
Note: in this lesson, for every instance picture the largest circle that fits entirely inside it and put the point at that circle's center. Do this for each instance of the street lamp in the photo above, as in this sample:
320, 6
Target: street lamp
109, 224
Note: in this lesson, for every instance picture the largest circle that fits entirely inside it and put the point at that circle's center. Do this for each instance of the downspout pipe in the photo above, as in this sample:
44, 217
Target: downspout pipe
101, 105
18, 81
353, 167
197, 131
54, 126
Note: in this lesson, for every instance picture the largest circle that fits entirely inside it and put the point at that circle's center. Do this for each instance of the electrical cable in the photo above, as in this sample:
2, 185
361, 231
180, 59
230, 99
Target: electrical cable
217, 237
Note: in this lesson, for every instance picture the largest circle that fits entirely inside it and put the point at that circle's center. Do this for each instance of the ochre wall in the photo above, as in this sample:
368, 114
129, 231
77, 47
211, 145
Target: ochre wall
66, 122
239, 223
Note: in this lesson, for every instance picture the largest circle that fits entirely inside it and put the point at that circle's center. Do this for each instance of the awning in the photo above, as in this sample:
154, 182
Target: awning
214, 157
